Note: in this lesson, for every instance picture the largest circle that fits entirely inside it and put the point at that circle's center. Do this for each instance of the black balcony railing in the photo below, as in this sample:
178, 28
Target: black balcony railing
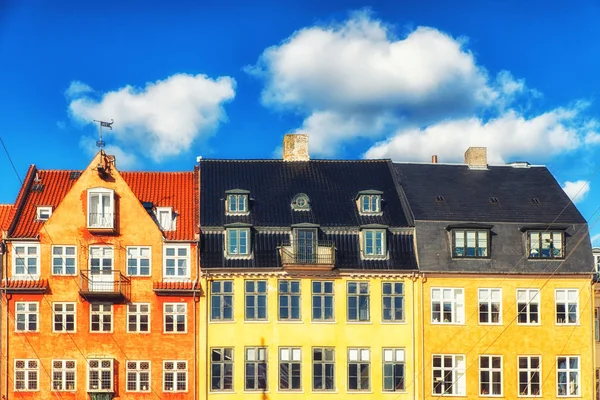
104, 285
319, 256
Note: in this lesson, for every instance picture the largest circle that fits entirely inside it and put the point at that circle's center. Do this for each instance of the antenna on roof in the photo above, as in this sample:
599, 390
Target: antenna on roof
103, 124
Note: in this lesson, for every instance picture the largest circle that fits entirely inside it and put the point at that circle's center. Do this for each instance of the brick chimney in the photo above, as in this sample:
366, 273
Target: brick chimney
476, 157
295, 147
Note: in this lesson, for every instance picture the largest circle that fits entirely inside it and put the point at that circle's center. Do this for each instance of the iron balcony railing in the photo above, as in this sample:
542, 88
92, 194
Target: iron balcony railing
104, 284
101, 220
321, 254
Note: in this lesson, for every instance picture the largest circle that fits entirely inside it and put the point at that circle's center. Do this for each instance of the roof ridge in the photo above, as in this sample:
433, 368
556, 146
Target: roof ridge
291, 162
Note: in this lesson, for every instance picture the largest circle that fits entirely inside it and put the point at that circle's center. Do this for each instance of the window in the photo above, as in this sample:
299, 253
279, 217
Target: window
63, 375
370, 203
393, 370
290, 368
393, 301
43, 213
256, 368
545, 244
470, 243
175, 317
530, 371
237, 203
256, 300
289, 300
27, 375
528, 306
138, 376
26, 261
566, 306
100, 208
301, 202
322, 301
449, 374
323, 368
597, 324
490, 306
139, 261
64, 260
221, 300
138, 317
490, 375
101, 261
374, 243
164, 215
447, 306
100, 317
359, 369
100, 375
26, 316
221, 369
177, 261
175, 376
358, 301
65, 317
567, 376
238, 241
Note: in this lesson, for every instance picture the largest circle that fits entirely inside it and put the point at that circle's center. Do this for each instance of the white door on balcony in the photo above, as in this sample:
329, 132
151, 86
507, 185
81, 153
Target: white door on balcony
305, 246
101, 276
100, 208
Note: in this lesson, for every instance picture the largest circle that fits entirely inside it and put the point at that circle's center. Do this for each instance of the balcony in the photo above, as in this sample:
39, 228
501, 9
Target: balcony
101, 222
320, 257
104, 285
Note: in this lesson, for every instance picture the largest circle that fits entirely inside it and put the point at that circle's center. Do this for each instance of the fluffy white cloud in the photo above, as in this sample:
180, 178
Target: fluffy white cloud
77, 88
576, 190
596, 240
163, 118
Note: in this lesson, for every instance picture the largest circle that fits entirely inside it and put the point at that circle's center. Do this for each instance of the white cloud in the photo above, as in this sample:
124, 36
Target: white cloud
124, 160
77, 88
165, 117
576, 190
596, 240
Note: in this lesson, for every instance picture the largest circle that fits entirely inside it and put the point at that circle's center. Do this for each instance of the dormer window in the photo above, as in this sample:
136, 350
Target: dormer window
545, 244
373, 241
470, 243
164, 216
237, 202
237, 241
101, 208
43, 213
301, 202
369, 202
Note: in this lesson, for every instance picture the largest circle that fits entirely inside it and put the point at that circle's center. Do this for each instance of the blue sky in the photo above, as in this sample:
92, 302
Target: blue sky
227, 79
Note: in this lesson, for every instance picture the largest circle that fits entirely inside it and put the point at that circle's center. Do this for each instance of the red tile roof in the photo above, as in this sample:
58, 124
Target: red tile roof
5, 210
25, 285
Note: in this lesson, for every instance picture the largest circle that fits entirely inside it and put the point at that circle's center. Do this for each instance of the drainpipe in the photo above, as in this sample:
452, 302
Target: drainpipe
413, 278
423, 280
592, 301
207, 350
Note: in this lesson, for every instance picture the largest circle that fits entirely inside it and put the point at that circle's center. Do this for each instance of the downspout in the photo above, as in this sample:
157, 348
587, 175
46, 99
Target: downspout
196, 336
2, 275
414, 356
207, 355
423, 280
592, 301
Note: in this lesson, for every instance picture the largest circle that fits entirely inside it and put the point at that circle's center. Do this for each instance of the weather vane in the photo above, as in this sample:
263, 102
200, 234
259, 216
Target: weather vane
103, 124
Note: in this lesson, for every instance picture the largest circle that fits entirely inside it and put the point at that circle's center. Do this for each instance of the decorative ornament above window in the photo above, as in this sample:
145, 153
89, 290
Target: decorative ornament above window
301, 202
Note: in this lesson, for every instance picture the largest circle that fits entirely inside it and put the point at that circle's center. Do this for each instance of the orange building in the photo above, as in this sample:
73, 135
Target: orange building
100, 281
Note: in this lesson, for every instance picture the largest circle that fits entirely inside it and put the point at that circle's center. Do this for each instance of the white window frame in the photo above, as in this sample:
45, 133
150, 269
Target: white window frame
175, 372
102, 313
486, 296
532, 296
374, 253
490, 370
238, 253
63, 256
138, 371
567, 302
177, 258
62, 371
359, 355
289, 356
174, 314
458, 372
172, 224
43, 213
238, 197
137, 314
393, 357
370, 210
457, 312
100, 368
26, 275
27, 312
137, 256
568, 371
26, 370
64, 313
529, 371
101, 256
108, 222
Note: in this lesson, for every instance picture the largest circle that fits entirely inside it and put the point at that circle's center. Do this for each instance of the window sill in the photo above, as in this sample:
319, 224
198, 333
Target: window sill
290, 322
231, 321
575, 324
324, 322
252, 321
218, 392
359, 322
448, 324
526, 324
359, 391
393, 322
491, 323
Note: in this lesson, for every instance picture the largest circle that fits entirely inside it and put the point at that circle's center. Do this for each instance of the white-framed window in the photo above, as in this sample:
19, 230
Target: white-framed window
27, 375
374, 243
175, 376
138, 376
490, 306
101, 208
530, 373
546, 244
26, 260
470, 243
101, 317
394, 378
393, 301
65, 317
323, 368
237, 204
138, 317
370, 203
221, 369
256, 368
568, 376
101, 265
238, 241
528, 306
359, 369
64, 374
43, 213
290, 368
221, 300
490, 375
175, 317
27, 316
176, 261
166, 219
256, 300
64, 260
358, 301
100, 375
447, 306
449, 375
566, 306
139, 260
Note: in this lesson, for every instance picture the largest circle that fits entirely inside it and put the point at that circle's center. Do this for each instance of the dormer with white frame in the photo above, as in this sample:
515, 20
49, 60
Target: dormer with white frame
237, 202
369, 202
101, 208
166, 218
43, 213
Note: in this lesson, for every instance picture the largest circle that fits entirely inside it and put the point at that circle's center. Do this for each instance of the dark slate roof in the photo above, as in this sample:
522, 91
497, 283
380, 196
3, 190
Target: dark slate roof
332, 187
467, 192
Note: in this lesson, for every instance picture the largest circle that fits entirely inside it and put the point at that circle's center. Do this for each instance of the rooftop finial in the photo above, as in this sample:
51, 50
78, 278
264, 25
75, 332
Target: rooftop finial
103, 124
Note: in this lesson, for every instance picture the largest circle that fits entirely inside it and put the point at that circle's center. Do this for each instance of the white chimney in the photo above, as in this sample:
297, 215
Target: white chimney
295, 147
